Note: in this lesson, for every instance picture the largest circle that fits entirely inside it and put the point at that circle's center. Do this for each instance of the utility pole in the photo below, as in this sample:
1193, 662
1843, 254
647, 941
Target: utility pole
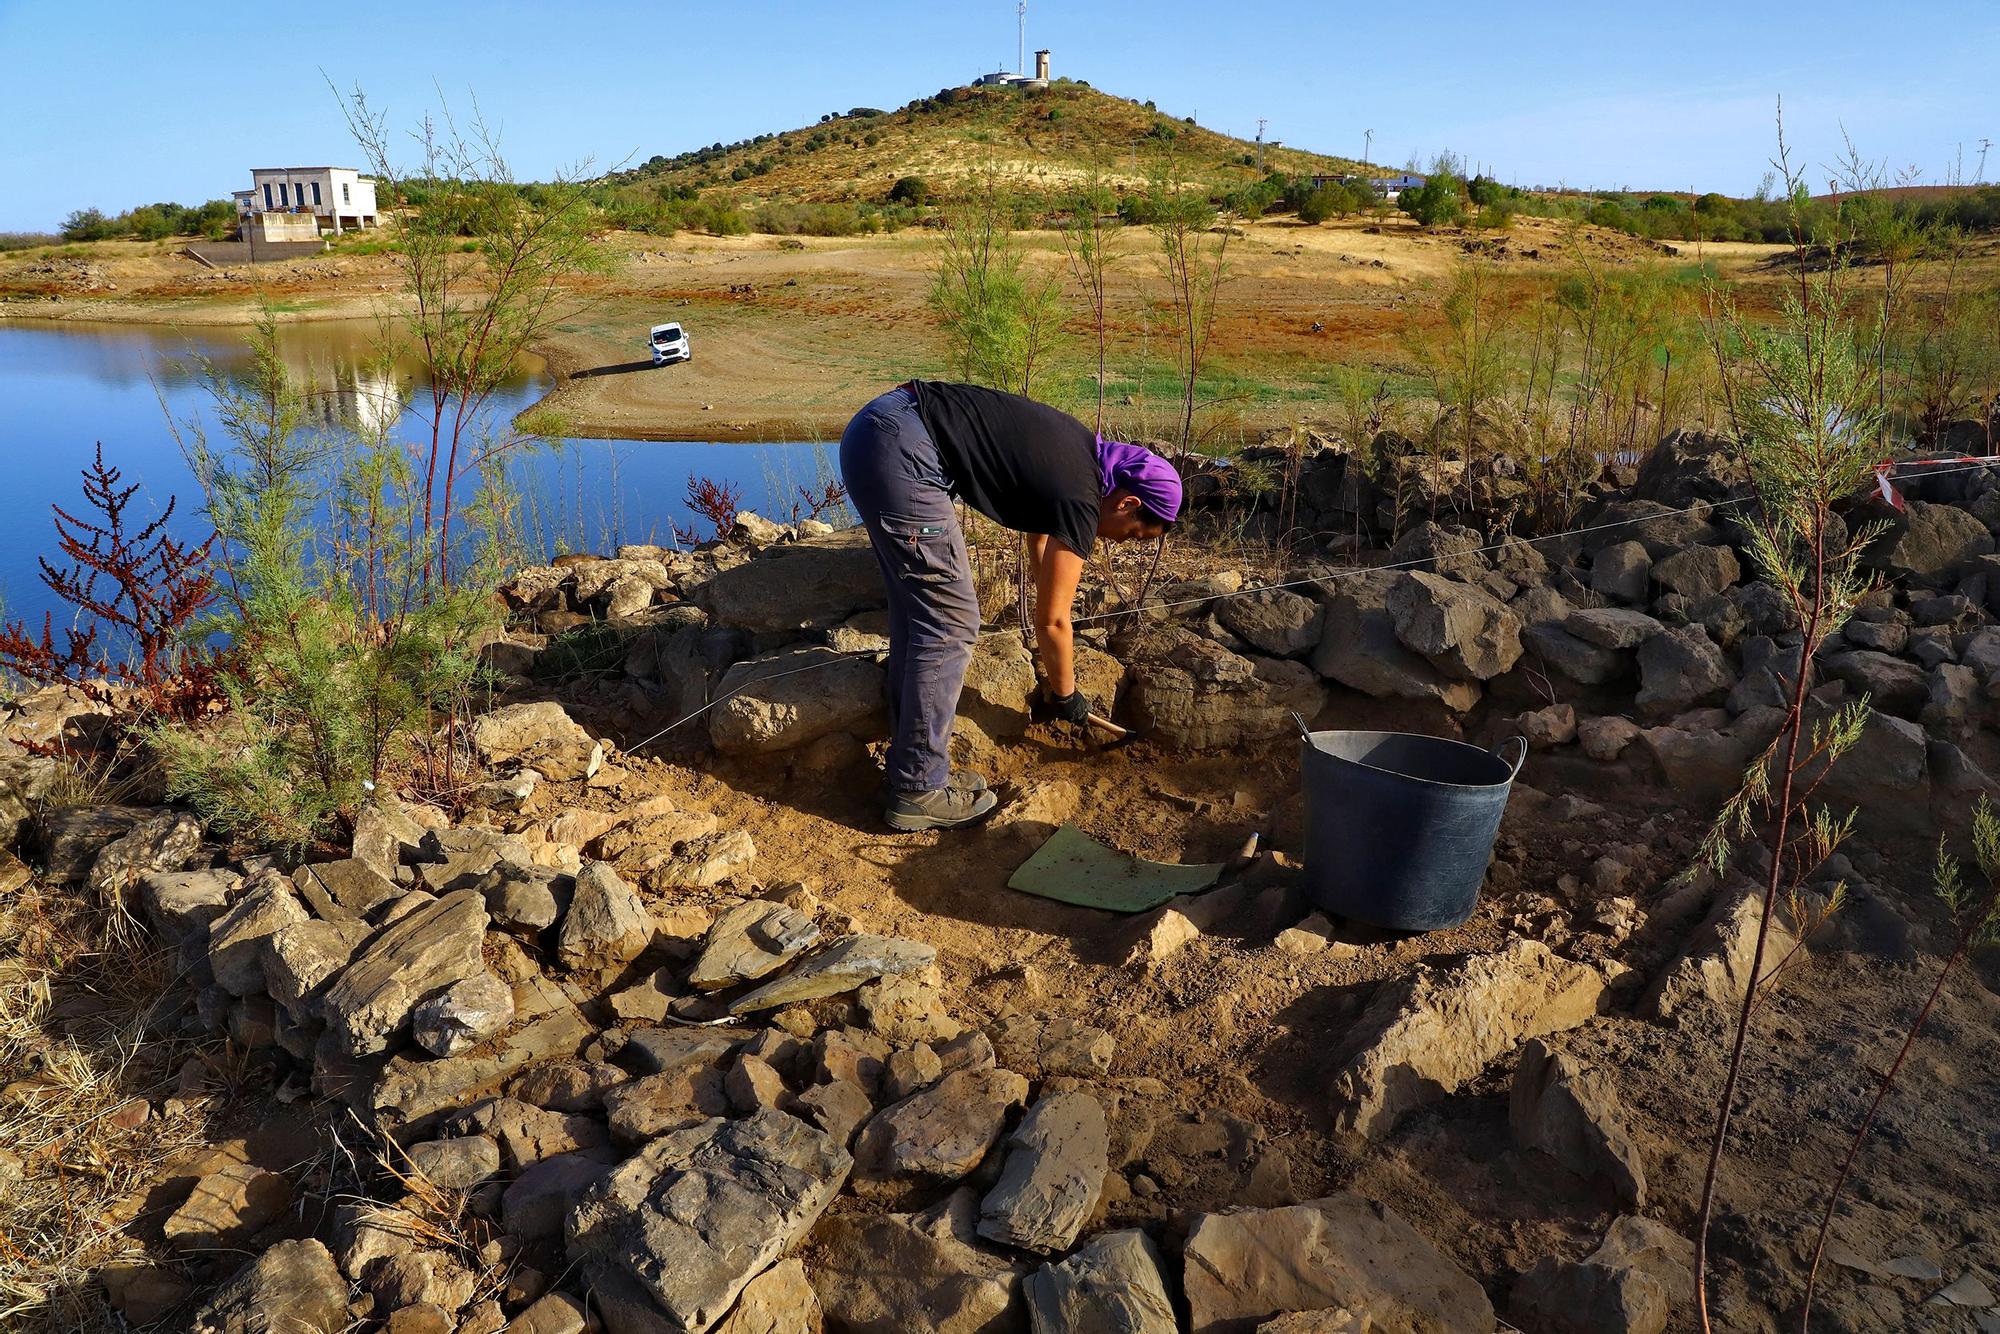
1021, 22
1261, 123
1984, 144
1367, 140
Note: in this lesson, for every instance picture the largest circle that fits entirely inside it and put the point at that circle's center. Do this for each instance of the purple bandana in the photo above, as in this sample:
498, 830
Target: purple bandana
1139, 470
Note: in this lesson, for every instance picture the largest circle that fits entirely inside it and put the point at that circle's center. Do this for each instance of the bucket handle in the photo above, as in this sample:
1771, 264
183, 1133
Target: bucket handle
1305, 733
1513, 769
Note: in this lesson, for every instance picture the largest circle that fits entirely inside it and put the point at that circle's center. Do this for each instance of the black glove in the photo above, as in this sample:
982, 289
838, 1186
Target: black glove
1071, 708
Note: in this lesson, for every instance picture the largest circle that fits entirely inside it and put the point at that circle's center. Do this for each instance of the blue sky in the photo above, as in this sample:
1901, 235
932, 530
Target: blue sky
116, 103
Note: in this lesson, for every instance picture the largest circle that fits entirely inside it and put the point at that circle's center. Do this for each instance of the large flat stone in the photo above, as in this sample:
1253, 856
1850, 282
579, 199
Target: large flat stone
1341, 1251
907, 1272
698, 1213
1052, 1177
1112, 1285
944, 1130
410, 960
750, 941
1426, 1035
842, 966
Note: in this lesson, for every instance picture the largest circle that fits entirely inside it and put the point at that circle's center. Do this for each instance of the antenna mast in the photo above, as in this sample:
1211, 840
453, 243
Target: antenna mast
1021, 21
1262, 121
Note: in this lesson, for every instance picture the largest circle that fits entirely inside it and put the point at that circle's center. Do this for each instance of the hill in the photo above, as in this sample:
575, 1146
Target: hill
1045, 139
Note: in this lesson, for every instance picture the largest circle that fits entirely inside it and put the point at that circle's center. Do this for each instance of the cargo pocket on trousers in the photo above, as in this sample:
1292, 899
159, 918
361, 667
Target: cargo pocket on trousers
926, 553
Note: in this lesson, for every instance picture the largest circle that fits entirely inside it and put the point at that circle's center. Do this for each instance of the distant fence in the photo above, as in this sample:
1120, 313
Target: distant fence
253, 252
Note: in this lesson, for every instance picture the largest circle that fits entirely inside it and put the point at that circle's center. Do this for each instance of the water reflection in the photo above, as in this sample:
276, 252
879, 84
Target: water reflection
67, 386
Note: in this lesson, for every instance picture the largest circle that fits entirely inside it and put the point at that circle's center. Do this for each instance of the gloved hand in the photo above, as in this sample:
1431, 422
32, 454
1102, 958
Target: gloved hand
1071, 708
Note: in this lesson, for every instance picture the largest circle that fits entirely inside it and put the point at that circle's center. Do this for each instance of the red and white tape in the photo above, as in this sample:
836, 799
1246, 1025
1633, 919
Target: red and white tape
1886, 466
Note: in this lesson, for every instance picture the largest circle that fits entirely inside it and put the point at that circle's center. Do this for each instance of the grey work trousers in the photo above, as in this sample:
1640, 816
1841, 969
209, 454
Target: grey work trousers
897, 483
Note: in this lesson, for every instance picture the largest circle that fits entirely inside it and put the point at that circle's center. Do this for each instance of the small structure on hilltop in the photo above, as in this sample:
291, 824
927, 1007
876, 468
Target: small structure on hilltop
302, 203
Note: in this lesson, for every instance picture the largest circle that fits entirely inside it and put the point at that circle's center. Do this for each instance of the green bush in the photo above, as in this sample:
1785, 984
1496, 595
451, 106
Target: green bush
1320, 204
1438, 201
86, 224
913, 190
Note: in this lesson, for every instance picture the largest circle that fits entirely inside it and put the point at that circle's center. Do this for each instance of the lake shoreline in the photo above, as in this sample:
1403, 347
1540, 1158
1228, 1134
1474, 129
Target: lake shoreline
565, 359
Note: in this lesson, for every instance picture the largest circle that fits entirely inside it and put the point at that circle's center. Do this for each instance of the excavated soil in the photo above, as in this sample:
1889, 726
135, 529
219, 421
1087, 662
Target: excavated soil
1225, 1049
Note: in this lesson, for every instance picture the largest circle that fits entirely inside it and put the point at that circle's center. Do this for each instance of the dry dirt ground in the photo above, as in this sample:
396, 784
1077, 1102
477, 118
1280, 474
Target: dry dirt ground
790, 335
1222, 1067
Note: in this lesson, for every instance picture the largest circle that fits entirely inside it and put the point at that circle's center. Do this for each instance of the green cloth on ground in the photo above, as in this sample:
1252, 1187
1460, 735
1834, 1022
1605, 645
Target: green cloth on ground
1073, 867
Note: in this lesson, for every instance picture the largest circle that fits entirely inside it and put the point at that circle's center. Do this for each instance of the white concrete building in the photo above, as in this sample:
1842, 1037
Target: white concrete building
301, 203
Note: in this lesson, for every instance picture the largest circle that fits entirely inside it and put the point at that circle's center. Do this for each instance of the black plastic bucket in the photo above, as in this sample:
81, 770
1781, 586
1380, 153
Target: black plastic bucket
1399, 827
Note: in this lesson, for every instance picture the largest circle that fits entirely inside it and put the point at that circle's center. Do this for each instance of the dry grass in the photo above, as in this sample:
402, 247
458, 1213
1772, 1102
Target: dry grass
81, 1037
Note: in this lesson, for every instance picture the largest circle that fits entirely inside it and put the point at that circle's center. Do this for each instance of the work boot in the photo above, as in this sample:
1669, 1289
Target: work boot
944, 808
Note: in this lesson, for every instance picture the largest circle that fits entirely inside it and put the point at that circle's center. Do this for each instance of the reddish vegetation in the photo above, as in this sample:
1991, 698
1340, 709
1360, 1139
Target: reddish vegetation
145, 586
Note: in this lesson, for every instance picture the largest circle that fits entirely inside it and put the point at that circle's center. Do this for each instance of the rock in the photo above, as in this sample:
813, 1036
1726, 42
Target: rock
1465, 632
1359, 649
1340, 1251
904, 1009
1612, 627
1193, 694
1112, 1285
1568, 1112
1698, 571
300, 959
463, 1015
842, 966
753, 1085
750, 941
1770, 670
1631, 1284
903, 1272
1548, 727
293, 1288
387, 834
852, 1055
607, 923
533, 1205
653, 1103
1579, 660
910, 1069
538, 736
790, 698
1892, 685
1680, 669
660, 1051
839, 1108
1622, 571
943, 1131
527, 1134
568, 1085
165, 842
1703, 756
1425, 1035
457, 1164
418, 955
71, 837
144, 1293
1059, 1046
1605, 739
1888, 636
1273, 620
1952, 697
181, 903
810, 584
236, 939
1929, 545
1714, 967
525, 899
349, 888
780, 1300
411, 1090
229, 1205
1052, 1176
1436, 548
699, 1212
999, 685
554, 1313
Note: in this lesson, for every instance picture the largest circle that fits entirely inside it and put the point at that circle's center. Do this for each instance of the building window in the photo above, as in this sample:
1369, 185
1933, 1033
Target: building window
284, 196
267, 196
315, 185
344, 197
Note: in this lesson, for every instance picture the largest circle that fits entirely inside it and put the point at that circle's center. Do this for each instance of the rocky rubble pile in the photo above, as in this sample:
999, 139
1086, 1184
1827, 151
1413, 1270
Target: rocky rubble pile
1650, 628
674, 1105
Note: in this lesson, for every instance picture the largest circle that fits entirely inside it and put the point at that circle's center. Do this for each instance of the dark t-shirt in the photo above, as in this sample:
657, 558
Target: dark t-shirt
1020, 463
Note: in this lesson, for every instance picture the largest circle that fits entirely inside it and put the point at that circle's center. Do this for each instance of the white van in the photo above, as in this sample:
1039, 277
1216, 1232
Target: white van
669, 343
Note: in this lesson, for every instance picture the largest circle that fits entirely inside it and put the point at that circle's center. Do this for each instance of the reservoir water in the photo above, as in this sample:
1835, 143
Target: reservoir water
65, 387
